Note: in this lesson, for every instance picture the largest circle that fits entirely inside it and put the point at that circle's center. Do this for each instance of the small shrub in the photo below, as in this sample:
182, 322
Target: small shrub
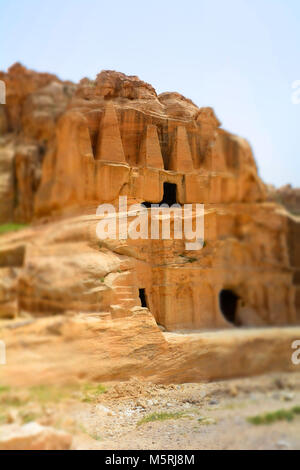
296, 410
5, 228
163, 416
92, 391
206, 421
28, 417
96, 437
15, 400
272, 417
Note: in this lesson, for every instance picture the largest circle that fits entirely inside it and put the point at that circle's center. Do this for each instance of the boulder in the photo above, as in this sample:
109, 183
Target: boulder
33, 436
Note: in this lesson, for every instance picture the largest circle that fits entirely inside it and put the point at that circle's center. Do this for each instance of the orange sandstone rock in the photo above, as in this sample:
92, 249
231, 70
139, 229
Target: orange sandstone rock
150, 155
118, 138
34, 102
109, 146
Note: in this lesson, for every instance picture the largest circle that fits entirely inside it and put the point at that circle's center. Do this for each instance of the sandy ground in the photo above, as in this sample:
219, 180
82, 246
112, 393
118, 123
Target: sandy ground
196, 416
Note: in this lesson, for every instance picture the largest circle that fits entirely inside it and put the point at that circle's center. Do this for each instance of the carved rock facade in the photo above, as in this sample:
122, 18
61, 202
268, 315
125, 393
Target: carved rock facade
118, 138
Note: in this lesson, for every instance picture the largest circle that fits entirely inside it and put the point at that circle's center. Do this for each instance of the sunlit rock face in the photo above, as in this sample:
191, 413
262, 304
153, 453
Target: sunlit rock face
113, 137
118, 130
34, 102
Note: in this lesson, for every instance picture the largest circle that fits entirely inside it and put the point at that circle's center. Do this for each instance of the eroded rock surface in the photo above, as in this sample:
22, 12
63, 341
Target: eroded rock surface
34, 102
66, 149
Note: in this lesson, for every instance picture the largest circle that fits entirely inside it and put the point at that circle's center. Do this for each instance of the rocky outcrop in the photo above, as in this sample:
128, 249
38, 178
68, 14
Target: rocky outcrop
288, 196
33, 436
63, 267
99, 348
34, 102
293, 238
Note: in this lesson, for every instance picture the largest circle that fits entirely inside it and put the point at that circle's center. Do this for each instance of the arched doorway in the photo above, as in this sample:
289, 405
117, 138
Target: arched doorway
228, 301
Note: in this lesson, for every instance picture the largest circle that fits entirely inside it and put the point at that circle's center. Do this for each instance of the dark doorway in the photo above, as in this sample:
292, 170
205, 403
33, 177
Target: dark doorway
170, 194
228, 305
143, 298
169, 197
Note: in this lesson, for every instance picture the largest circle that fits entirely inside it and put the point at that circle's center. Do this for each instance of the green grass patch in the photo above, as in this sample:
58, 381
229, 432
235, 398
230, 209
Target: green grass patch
273, 416
4, 388
5, 228
96, 437
86, 392
3, 418
43, 394
12, 399
90, 392
163, 416
50, 393
28, 416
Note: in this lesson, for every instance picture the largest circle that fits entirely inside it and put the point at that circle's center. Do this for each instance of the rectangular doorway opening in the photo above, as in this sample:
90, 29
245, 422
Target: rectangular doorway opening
170, 194
143, 298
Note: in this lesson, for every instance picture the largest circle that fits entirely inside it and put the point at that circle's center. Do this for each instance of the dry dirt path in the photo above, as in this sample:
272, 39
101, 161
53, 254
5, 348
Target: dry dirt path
188, 416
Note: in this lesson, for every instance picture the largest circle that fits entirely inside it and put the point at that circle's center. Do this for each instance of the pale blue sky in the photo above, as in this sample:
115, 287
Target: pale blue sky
239, 56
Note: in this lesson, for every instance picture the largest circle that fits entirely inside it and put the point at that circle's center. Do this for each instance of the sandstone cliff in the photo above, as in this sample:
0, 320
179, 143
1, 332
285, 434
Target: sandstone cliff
65, 149
127, 140
34, 102
115, 136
